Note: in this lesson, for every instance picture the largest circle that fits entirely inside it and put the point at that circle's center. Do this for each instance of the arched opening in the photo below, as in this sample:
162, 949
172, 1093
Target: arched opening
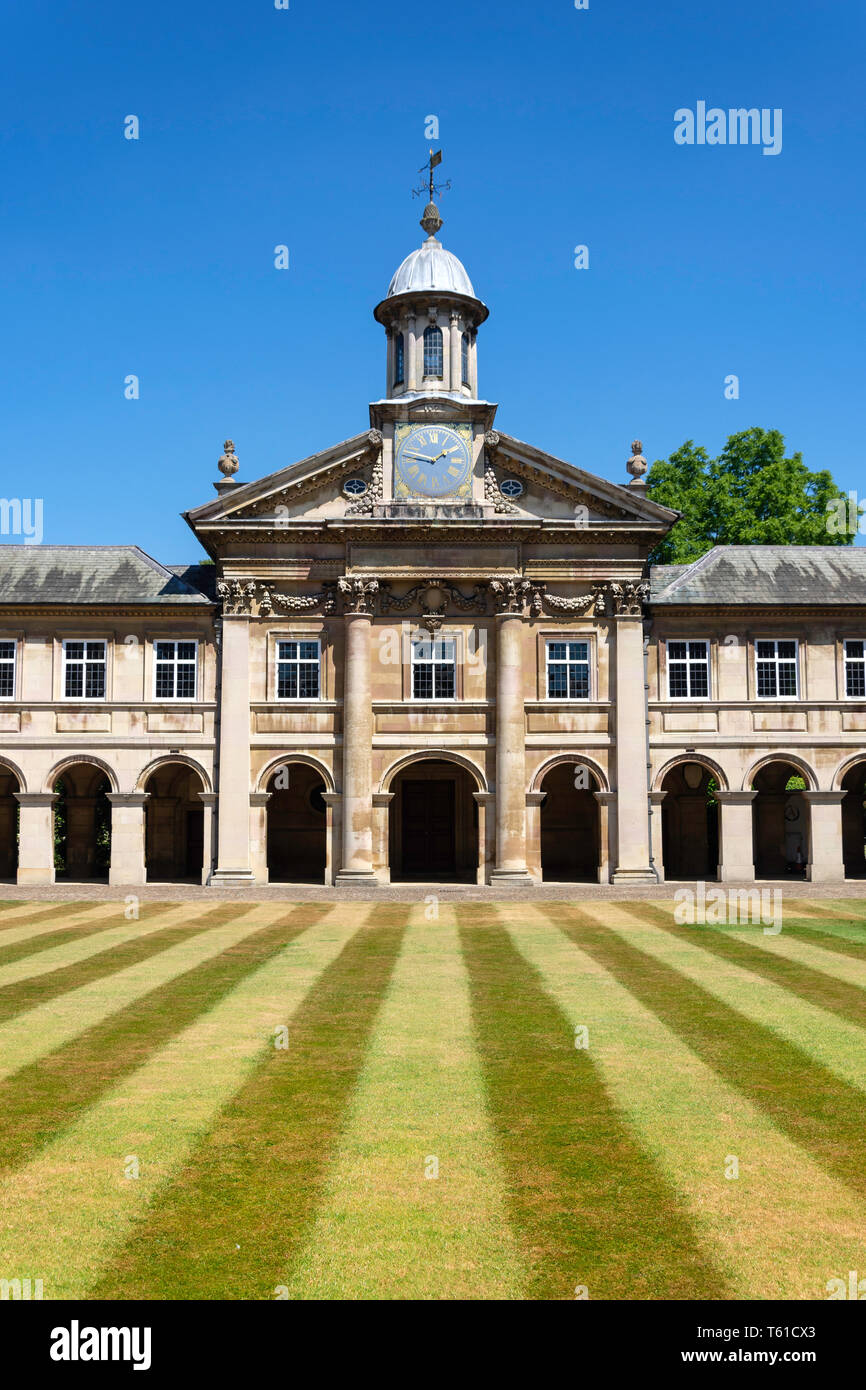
854, 821
297, 825
9, 811
464, 359
433, 359
569, 825
690, 823
433, 824
82, 823
780, 821
399, 360
174, 825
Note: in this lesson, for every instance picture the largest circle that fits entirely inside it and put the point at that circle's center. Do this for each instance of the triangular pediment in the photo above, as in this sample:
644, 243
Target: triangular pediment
558, 490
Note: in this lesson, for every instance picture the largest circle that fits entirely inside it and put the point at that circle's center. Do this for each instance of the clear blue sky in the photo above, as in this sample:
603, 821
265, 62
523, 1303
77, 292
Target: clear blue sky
306, 127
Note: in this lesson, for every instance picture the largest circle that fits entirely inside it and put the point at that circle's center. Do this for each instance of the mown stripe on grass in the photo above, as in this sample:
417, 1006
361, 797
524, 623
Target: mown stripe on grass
25, 939
39, 1099
32, 912
233, 1219
712, 1013
69, 1211
589, 1206
387, 1228
842, 935
781, 1227
23, 986
800, 970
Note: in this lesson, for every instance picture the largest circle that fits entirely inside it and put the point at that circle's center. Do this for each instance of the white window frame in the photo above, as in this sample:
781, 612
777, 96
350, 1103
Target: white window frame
13, 662
775, 659
175, 663
689, 661
83, 661
415, 639
568, 662
854, 661
297, 661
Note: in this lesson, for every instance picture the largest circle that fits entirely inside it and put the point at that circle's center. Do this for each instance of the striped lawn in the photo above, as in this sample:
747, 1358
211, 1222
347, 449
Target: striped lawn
430, 1130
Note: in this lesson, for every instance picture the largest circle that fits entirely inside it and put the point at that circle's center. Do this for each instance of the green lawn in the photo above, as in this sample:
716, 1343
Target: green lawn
263, 1100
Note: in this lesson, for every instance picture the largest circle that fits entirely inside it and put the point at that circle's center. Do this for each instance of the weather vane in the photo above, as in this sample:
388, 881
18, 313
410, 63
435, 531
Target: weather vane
428, 186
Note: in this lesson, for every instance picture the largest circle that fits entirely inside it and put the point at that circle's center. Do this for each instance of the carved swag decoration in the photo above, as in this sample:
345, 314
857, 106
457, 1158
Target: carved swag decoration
433, 597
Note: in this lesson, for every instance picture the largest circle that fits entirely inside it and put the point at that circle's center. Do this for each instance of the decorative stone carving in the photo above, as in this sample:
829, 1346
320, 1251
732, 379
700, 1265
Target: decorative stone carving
237, 596
492, 494
364, 505
491, 441
513, 595
433, 596
637, 464
358, 594
579, 604
300, 603
629, 598
228, 463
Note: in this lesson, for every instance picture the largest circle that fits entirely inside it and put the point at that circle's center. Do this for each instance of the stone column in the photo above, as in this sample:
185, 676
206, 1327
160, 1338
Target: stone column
473, 365
259, 835
606, 804
127, 838
510, 751
333, 830
381, 858
826, 863
736, 844
410, 365
632, 810
233, 807
208, 800
358, 736
36, 837
656, 799
534, 803
486, 846
456, 363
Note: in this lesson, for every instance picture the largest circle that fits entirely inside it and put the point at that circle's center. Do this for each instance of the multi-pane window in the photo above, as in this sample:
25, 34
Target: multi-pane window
434, 668
568, 670
84, 670
432, 350
776, 667
7, 670
175, 670
399, 359
688, 670
855, 668
465, 358
298, 670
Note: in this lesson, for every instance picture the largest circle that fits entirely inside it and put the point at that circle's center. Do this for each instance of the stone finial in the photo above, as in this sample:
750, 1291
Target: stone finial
637, 464
228, 460
431, 221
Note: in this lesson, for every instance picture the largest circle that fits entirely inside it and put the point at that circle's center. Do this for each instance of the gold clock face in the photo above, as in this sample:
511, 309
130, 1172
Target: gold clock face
433, 461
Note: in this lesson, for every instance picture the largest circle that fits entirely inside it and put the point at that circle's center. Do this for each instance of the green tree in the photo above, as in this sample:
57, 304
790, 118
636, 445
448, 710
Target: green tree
752, 494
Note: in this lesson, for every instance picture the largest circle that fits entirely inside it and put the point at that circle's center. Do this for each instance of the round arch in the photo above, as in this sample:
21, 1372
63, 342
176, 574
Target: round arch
439, 755
292, 757
76, 760
558, 759
165, 760
844, 768
708, 763
781, 757
7, 765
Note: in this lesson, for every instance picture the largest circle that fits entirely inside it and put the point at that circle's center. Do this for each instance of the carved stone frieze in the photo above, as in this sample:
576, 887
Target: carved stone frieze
358, 594
432, 597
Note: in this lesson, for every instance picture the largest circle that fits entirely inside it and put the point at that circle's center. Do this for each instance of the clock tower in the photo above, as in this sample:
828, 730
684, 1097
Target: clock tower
432, 420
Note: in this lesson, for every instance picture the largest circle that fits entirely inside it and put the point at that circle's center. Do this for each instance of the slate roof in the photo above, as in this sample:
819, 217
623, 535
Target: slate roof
776, 575
95, 574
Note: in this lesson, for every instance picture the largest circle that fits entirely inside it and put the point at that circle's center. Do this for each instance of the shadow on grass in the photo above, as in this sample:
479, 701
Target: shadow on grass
588, 1205
38, 1101
232, 1222
806, 1101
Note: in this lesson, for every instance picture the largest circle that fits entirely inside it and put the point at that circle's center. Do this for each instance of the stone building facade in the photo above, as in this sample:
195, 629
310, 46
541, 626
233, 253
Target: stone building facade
431, 653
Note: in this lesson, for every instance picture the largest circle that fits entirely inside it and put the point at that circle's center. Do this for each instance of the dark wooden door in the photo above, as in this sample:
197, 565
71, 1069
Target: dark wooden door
428, 829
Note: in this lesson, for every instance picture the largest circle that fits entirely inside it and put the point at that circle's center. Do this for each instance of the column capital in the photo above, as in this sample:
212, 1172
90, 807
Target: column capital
657, 798
535, 798
332, 798
735, 798
128, 798
824, 798
605, 798
208, 798
383, 798
260, 798
35, 798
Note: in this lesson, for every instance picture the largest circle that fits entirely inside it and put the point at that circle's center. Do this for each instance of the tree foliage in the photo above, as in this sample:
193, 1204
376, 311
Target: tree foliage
752, 494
